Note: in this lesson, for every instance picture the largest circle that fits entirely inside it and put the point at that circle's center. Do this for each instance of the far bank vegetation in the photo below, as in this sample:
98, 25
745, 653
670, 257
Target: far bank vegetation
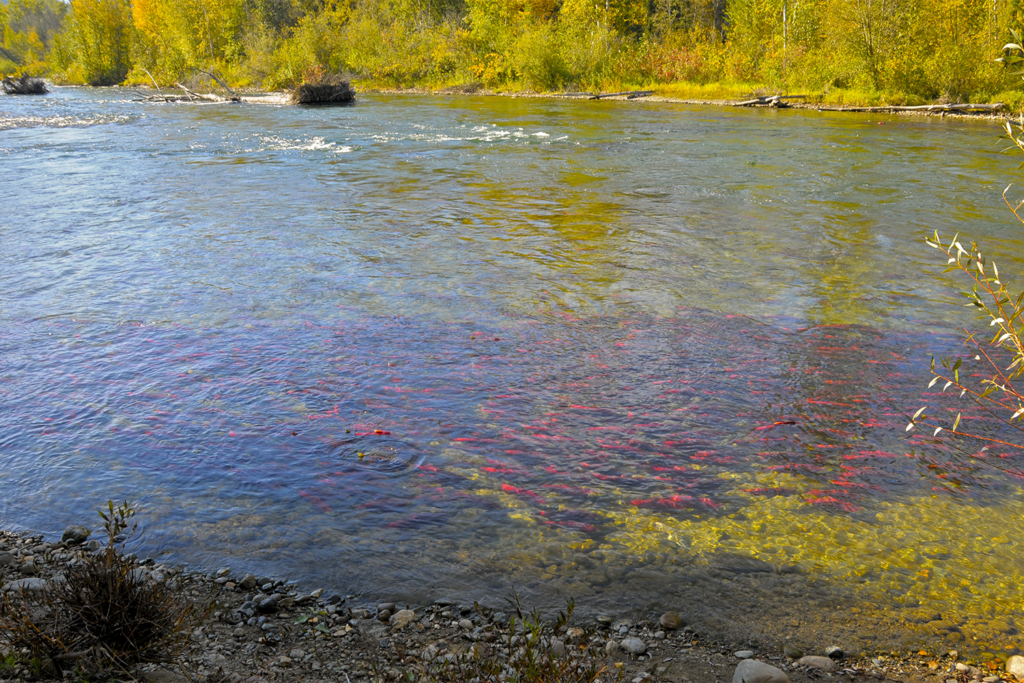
863, 52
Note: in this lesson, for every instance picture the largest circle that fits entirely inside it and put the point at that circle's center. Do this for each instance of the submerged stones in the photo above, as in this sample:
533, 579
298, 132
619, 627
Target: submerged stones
753, 671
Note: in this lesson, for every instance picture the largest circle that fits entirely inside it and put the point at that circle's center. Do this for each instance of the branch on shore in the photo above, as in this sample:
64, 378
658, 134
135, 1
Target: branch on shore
925, 107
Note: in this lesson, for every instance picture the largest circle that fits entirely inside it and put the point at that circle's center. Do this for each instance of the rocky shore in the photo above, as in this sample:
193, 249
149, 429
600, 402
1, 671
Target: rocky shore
258, 628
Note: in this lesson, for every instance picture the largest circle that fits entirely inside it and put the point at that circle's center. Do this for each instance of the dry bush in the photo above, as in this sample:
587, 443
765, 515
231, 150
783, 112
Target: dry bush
103, 617
320, 87
26, 85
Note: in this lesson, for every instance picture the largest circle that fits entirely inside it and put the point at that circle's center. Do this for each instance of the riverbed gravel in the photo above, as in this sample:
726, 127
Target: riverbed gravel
260, 628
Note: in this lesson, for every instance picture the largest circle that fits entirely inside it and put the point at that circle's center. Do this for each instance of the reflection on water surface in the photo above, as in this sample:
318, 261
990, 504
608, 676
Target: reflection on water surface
642, 355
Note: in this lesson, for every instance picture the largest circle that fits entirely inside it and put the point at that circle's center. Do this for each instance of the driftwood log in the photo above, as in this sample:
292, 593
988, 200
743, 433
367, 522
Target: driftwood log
629, 94
26, 85
931, 107
774, 101
326, 91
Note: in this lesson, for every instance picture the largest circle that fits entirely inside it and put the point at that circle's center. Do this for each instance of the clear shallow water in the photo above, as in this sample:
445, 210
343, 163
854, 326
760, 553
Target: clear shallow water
429, 345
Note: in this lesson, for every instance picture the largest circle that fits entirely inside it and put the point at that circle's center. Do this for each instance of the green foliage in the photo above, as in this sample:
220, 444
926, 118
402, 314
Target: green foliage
1002, 357
27, 29
850, 50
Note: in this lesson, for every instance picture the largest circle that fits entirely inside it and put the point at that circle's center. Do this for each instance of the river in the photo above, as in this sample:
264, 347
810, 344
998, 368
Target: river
646, 355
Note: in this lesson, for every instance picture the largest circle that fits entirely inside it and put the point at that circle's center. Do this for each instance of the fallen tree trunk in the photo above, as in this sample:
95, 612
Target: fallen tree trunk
778, 101
629, 94
26, 85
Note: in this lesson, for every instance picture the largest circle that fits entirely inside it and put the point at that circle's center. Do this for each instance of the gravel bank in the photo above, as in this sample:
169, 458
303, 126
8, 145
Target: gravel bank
263, 629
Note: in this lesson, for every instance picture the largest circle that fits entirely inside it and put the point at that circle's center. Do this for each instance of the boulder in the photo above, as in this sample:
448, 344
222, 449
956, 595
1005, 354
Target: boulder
1015, 666
402, 618
753, 671
76, 534
815, 662
28, 585
633, 646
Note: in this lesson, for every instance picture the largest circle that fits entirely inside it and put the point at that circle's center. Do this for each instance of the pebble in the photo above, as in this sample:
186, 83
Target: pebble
611, 647
284, 661
835, 652
753, 671
633, 646
659, 635
92, 546
76, 534
296, 654
386, 607
792, 651
7, 559
671, 621
403, 618
466, 624
248, 582
744, 654
991, 679
216, 659
1015, 666
816, 662
557, 647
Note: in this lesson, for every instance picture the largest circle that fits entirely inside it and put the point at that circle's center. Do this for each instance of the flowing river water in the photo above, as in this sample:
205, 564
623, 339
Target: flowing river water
645, 355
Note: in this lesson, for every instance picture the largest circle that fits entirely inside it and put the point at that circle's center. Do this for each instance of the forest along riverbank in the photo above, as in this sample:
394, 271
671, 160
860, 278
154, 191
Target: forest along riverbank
264, 628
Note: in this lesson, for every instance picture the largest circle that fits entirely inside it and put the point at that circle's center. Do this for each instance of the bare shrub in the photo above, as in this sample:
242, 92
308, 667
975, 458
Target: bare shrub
103, 616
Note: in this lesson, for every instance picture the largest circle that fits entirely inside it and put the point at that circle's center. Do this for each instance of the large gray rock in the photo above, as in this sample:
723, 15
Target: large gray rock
163, 676
815, 662
1015, 666
633, 646
402, 618
28, 585
753, 671
7, 559
76, 534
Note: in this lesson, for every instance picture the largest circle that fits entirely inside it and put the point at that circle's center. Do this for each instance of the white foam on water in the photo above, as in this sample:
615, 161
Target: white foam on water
9, 122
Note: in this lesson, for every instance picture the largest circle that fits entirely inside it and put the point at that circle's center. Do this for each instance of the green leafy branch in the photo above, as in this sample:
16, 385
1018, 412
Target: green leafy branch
996, 395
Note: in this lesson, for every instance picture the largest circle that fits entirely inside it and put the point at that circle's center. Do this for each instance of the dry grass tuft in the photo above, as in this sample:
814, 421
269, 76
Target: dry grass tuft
103, 617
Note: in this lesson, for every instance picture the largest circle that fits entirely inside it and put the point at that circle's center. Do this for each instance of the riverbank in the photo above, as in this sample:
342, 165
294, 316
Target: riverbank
980, 115
265, 628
